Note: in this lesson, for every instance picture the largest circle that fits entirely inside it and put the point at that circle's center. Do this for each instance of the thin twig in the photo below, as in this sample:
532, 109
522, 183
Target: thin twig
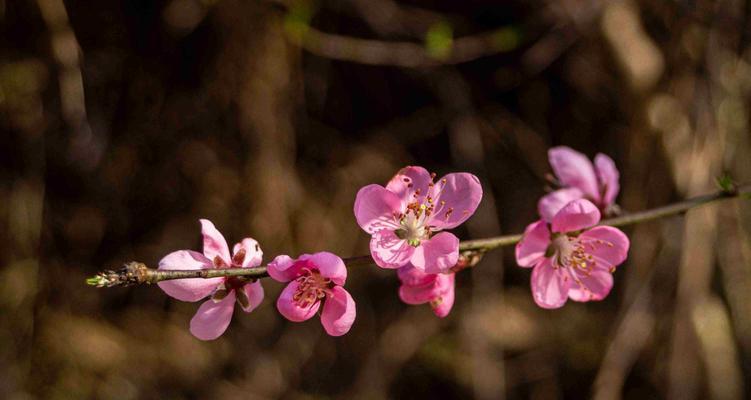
402, 54
138, 273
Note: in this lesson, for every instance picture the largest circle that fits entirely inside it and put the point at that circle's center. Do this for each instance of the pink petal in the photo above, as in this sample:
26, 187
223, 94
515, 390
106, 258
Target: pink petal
535, 241
212, 318
418, 294
574, 169
188, 289
289, 308
338, 312
594, 286
411, 276
461, 193
608, 176
376, 207
407, 182
437, 254
442, 304
608, 245
388, 251
213, 242
550, 204
550, 286
255, 294
329, 265
283, 268
576, 215
253, 253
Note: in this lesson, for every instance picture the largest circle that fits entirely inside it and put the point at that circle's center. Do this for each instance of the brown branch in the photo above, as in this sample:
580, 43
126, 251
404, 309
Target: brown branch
471, 250
401, 54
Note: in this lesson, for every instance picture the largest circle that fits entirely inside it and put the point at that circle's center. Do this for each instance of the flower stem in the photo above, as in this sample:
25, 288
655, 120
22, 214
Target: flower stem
138, 273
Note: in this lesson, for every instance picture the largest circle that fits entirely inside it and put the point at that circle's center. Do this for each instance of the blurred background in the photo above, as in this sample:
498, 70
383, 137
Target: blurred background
123, 122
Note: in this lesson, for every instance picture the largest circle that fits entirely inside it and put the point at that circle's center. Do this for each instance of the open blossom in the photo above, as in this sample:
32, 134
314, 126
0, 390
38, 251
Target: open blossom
572, 258
406, 218
315, 281
581, 179
420, 288
214, 315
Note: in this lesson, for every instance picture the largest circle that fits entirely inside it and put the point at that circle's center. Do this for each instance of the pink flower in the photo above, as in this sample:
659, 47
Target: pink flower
597, 183
572, 258
314, 279
406, 218
420, 288
214, 315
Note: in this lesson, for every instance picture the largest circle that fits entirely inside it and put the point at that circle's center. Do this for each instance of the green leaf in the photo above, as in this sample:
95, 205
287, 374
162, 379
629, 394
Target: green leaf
439, 40
506, 39
97, 280
297, 20
725, 183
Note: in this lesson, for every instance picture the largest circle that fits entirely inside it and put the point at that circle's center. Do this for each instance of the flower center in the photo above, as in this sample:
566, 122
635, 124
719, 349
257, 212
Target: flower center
413, 224
312, 287
570, 252
414, 220
231, 283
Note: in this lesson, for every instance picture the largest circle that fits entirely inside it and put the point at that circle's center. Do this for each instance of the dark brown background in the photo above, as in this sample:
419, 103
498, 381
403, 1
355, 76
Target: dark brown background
123, 122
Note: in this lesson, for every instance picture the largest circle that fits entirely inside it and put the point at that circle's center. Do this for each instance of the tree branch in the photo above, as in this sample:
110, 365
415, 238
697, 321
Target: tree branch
471, 250
402, 54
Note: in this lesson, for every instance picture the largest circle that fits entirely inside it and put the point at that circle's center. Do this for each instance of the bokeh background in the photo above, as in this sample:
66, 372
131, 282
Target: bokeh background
123, 122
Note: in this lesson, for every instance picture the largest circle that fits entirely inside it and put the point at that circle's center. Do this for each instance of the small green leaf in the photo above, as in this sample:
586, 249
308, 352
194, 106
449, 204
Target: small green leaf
97, 280
506, 39
438, 40
297, 20
725, 183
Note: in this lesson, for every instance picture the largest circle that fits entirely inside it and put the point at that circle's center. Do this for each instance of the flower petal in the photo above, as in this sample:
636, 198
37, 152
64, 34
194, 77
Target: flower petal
418, 294
456, 197
411, 276
329, 265
376, 207
338, 312
254, 293
408, 182
187, 289
253, 253
213, 242
437, 254
576, 215
594, 286
388, 251
443, 303
550, 204
608, 245
283, 268
212, 318
608, 176
289, 308
574, 169
531, 248
550, 286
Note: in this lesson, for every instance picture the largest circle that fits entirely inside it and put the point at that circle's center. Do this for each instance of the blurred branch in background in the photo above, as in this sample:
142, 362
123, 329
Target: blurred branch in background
440, 49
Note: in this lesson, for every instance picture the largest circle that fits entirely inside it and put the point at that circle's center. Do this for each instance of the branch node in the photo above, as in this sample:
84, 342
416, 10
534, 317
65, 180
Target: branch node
131, 273
468, 259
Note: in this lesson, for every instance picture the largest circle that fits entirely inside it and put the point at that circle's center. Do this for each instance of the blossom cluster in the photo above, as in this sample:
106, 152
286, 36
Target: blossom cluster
571, 256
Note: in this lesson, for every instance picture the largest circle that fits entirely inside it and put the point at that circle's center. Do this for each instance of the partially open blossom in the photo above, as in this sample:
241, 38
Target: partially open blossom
406, 218
214, 315
572, 258
581, 179
420, 288
315, 282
